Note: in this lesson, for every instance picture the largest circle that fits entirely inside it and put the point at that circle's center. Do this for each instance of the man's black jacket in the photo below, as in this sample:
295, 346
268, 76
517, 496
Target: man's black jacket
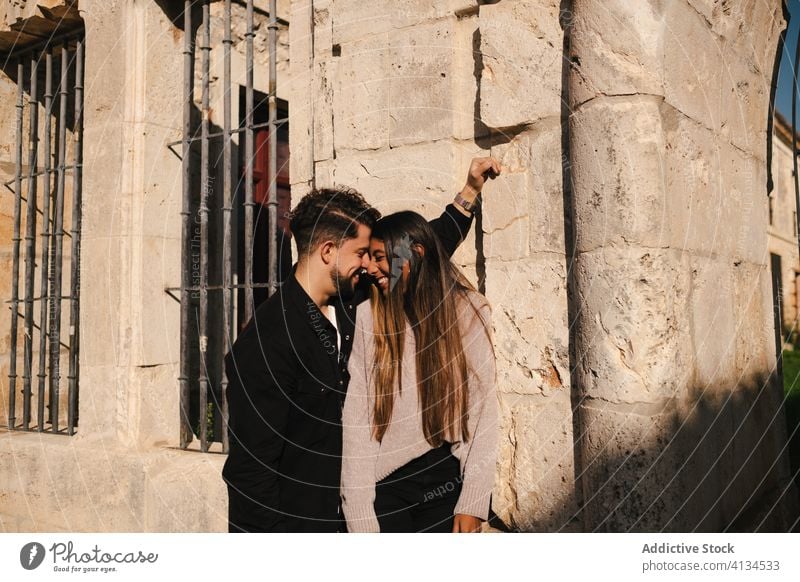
287, 382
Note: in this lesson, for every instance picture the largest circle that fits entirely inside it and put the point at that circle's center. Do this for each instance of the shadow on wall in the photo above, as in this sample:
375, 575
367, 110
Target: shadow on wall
716, 462
485, 137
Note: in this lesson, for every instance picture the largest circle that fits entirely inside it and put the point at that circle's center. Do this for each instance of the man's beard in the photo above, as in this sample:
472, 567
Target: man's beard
344, 285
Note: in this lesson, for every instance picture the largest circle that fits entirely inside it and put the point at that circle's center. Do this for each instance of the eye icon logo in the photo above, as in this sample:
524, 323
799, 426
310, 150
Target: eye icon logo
31, 555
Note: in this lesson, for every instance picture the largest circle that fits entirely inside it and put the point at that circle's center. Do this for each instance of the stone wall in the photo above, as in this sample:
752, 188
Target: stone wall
403, 95
783, 230
624, 248
123, 470
633, 204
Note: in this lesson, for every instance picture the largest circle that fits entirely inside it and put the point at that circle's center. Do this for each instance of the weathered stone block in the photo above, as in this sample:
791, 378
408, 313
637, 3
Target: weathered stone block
534, 489
169, 509
464, 79
421, 177
102, 261
520, 62
743, 179
100, 385
616, 149
754, 336
633, 478
744, 103
157, 315
322, 111
633, 322
361, 95
59, 482
693, 79
749, 28
301, 77
713, 325
420, 83
505, 217
721, 88
155, 418
758, 448
714, 190
533, 165
529, 306
698, 213
626, 62
351, 22
154, 67
104, 208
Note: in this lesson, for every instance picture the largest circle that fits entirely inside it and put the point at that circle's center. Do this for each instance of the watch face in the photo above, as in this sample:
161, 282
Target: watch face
468, 206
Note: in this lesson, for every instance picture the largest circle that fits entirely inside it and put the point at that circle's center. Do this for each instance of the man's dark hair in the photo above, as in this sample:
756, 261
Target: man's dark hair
329, 214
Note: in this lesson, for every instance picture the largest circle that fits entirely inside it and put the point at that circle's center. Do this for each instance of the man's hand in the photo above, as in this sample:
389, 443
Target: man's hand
464, 523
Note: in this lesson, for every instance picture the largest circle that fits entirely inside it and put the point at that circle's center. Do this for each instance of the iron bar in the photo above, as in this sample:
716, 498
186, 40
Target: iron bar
12, 370
30, 237
226, 222
205, 48
44, 286
185, 428
281, 121
75, 264
272, 200
36, 327
37, 174
248, 199
58, 219
196, 288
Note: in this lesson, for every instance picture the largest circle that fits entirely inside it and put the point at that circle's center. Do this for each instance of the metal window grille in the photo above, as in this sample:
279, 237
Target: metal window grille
47, 201
226, 185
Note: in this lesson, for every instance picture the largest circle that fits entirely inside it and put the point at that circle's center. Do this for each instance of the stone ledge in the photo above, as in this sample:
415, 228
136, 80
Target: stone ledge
94, 484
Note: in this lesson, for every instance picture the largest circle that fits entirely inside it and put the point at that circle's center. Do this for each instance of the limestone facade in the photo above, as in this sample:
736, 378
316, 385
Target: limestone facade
123, 470
624, 249
782, 230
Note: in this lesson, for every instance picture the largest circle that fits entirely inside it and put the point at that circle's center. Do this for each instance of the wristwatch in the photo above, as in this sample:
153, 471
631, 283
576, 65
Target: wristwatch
465, 204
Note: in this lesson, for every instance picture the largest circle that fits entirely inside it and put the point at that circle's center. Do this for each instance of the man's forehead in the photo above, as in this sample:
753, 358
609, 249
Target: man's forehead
361, 239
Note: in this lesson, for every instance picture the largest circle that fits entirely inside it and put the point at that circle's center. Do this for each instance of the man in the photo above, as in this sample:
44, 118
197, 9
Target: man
287, 370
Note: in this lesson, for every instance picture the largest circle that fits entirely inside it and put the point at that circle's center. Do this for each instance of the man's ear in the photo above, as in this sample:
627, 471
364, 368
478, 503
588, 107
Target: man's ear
327, 252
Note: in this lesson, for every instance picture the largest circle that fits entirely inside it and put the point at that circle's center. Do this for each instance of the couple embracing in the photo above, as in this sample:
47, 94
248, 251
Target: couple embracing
362, 393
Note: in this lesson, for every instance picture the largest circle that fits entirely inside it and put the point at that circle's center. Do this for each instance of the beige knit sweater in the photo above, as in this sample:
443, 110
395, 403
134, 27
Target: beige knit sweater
365, 461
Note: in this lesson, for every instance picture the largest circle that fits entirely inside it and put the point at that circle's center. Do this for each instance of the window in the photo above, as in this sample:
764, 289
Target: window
235, 201
45, 248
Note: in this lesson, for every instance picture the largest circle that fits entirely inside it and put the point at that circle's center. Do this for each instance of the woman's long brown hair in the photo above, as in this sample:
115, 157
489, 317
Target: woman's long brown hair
429, 300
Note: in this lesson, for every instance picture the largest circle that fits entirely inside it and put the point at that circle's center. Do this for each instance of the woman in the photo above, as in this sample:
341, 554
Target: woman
420, 417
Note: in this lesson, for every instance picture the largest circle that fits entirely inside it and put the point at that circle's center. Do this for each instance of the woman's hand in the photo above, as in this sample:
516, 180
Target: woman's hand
480, 170
464, 523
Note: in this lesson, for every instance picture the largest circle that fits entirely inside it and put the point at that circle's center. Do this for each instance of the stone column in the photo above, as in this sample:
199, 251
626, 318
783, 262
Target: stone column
681, 424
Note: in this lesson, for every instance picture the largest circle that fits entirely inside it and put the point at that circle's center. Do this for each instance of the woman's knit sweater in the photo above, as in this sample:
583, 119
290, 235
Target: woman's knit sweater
366, 461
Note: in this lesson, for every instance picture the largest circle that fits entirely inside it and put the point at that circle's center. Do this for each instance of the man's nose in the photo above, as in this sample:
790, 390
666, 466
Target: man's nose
366, 262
